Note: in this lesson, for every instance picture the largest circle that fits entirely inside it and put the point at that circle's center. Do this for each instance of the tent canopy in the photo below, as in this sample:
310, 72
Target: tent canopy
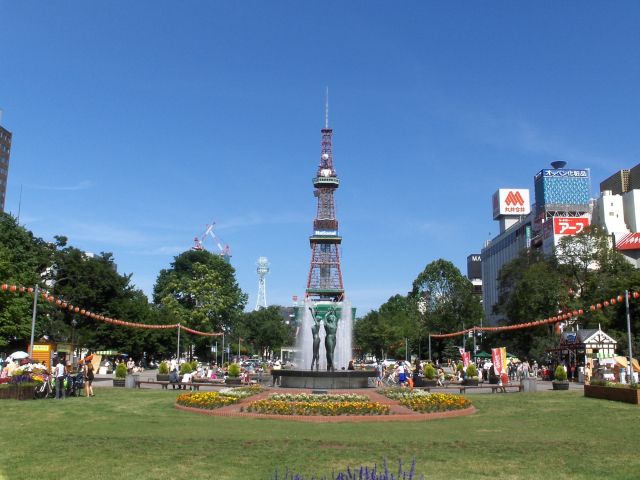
623, 362
483, 355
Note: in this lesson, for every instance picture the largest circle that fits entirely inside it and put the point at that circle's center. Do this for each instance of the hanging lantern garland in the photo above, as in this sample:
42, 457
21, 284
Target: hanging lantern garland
551, 320
546, 321
74, 309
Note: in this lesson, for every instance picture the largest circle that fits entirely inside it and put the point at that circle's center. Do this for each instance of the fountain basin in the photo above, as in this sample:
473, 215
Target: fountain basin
324, 380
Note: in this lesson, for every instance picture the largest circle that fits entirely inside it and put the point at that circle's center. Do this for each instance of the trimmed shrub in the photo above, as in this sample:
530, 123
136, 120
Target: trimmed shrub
163, 369
560, 374
121, 370
234, 370
429, 372
185, 368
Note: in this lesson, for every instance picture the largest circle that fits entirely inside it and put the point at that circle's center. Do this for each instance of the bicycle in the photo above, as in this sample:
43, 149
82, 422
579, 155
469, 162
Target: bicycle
390, 380
47, 389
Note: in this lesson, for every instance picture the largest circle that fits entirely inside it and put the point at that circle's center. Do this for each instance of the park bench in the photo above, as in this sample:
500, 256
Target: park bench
164, 384
497, 388
494, 387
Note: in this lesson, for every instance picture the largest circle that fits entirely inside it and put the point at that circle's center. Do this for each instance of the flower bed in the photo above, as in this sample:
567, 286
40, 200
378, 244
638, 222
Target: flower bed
308, 397
318, 407
435, 402
398, 393
424, 402
212, 400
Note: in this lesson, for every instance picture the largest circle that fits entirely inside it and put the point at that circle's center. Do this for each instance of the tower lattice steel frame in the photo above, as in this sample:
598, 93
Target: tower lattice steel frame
262, 270
325, 277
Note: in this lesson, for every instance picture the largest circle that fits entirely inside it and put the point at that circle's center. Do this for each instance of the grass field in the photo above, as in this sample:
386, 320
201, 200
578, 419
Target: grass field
124, 434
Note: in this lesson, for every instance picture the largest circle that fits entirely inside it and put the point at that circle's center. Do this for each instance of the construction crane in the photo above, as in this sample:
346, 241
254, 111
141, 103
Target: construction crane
225, 252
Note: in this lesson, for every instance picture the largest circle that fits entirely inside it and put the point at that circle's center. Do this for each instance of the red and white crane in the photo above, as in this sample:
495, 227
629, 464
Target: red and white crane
225, 251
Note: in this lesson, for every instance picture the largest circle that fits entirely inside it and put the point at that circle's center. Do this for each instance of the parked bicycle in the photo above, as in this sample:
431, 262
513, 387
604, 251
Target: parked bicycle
47, 389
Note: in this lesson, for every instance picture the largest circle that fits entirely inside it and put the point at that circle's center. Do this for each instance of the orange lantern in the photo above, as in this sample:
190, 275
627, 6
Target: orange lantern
620, 298
76, 310
22, 289
30, 290
599, 306
12, 288
606, 304
4, 287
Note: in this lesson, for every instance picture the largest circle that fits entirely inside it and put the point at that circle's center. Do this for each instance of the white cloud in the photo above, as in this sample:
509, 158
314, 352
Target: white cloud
167, 250
106, 234
507, 132
256, 219
82, 185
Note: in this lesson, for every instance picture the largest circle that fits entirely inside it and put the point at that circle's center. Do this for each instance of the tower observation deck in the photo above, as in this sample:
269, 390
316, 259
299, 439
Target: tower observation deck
325, 277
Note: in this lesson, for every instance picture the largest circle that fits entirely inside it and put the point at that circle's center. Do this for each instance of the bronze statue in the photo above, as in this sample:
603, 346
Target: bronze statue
315, 331
330, 327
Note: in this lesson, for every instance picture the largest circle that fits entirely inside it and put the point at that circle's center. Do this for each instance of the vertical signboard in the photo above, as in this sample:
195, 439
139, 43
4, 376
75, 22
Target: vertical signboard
499, 359
466, 359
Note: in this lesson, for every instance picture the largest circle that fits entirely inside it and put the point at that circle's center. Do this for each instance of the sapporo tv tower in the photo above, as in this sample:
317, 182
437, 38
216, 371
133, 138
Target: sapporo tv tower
325, 277
325, 318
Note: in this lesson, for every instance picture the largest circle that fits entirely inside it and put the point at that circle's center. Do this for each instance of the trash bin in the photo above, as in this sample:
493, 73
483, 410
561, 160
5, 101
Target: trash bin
130, 381
529, 384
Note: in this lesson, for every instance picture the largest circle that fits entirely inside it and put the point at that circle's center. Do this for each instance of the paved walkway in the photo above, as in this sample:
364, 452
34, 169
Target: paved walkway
101, 381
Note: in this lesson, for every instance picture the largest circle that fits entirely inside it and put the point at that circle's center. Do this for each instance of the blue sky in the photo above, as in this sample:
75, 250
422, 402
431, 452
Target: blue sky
137, 123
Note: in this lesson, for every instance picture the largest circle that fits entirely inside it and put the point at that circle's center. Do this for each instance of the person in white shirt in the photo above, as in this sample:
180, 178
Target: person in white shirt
186, 378
60, 372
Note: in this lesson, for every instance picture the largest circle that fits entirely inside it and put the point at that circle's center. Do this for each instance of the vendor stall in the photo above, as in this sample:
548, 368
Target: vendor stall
580, 350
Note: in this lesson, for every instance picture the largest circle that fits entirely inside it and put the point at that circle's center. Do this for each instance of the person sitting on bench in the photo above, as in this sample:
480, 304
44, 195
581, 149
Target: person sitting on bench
174, 379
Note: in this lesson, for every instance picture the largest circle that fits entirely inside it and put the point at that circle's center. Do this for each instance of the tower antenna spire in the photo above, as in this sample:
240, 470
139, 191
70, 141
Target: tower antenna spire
326, 109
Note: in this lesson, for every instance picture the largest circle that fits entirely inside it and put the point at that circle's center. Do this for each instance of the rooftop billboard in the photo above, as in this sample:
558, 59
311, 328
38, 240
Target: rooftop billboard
511, 202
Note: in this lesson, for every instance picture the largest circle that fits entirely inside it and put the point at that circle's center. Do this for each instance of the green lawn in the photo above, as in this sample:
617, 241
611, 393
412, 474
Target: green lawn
138, 434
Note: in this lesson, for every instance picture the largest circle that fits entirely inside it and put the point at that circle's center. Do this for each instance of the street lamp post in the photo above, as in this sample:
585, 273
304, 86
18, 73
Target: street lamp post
178, 353
36, 292
74, 324
626, 297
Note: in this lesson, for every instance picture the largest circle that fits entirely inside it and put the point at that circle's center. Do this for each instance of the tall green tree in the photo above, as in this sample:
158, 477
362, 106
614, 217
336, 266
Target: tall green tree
265, 330
200, 291
446, 298
386, 331
531, 287
92, 282
23, 260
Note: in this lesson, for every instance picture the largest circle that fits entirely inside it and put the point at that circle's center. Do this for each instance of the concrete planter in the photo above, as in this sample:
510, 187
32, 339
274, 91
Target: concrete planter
560, 385
162, 377
17, 392
470, 382
118, 382
426, 382
617, 394
236, 381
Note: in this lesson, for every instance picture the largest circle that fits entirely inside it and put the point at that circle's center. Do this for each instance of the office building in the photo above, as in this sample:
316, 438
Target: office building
5, 151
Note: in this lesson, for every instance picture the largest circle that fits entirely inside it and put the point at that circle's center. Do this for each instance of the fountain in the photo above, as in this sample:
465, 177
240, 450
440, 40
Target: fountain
309, 373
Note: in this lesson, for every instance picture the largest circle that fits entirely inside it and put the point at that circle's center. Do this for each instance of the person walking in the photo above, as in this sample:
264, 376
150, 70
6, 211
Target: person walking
60, 374
88, 380
379, 373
